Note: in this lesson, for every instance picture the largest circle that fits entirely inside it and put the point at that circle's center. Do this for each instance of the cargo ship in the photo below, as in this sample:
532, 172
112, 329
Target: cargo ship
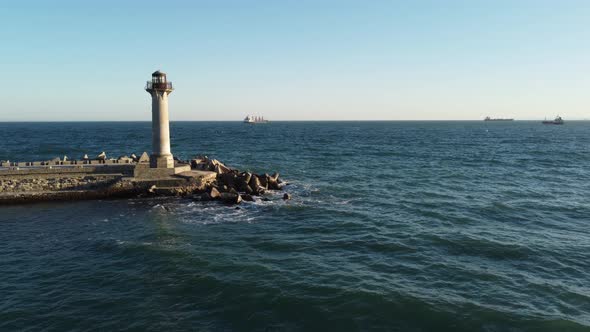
557, 121
497, 119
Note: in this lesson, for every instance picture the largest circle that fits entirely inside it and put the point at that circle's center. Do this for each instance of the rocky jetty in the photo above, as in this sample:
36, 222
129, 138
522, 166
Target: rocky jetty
233, 186
201, 178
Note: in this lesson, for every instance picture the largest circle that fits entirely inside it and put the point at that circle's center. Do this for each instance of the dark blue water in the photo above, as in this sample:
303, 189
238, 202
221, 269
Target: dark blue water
407, 226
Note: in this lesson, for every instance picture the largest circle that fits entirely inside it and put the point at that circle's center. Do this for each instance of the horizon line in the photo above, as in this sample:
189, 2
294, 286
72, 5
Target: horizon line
271, 121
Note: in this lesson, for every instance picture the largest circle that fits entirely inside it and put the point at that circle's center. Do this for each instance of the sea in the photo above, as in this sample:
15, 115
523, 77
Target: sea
393, 226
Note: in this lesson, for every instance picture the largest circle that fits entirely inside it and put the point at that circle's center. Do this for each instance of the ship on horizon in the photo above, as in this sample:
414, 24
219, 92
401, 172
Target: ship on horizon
255, 119
497, 119
557, 121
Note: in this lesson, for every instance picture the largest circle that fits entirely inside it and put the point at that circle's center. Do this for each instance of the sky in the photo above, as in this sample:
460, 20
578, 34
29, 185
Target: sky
296, 59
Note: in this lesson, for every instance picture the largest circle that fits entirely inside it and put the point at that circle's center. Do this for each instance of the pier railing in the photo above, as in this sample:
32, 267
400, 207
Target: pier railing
158, 86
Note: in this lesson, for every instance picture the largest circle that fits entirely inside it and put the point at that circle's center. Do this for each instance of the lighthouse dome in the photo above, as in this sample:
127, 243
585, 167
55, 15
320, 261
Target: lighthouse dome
158, 73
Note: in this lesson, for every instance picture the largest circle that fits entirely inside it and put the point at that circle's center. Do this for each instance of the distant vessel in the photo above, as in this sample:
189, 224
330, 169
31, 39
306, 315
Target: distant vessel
496, 119
557, 121
255, 119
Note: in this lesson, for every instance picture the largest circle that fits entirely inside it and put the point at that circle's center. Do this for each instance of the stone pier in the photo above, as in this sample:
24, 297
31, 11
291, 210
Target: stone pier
24, 182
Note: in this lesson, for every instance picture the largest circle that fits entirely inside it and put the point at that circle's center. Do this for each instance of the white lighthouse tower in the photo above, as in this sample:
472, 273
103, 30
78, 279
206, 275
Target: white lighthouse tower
160, 88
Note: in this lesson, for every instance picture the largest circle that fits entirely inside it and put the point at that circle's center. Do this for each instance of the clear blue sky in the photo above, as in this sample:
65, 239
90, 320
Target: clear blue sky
296, 59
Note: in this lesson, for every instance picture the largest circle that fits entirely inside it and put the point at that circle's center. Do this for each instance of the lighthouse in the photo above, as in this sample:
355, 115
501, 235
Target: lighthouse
160, 88
161, 164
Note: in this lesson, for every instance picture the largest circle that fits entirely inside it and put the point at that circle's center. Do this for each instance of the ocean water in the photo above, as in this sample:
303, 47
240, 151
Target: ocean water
397, 226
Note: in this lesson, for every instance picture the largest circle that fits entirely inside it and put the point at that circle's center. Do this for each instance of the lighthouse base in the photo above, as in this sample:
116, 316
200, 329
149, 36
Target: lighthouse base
161, 161
144, 171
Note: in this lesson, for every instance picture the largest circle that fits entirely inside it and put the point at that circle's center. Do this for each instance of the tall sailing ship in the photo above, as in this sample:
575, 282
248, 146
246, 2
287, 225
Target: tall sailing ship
255, 119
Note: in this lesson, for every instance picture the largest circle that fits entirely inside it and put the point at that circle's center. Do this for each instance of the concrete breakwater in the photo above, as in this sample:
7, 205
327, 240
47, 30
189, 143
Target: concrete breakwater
53, 182
28, 183
200, 178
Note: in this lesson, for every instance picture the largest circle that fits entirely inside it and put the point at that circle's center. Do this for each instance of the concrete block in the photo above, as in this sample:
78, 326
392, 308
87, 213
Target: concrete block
144, 158
165, 161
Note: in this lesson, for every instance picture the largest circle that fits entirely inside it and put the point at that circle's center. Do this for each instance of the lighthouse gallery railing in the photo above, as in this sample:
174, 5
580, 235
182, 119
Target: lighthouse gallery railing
164, 86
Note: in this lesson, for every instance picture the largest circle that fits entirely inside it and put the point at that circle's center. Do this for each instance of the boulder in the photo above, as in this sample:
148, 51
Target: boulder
211, 165
248, 198
225, 169
228, 179
231, 198
202, 197
263, 181
248, 190
222, 169
200, 162
214, 193
241, 183
273, 184
275, 177
254, 182
247, 176
286, 196
197, 163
